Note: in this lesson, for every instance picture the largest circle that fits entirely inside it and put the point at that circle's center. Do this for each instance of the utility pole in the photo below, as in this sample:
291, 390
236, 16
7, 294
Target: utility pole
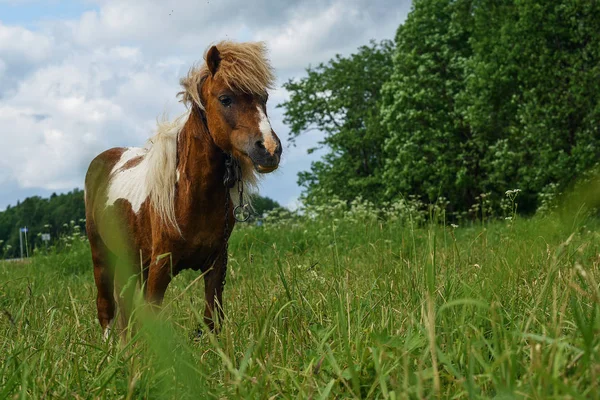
21, 232
26, 244
21, 241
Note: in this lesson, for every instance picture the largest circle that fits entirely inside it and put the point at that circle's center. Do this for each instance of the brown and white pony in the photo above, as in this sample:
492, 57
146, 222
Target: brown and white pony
169, 198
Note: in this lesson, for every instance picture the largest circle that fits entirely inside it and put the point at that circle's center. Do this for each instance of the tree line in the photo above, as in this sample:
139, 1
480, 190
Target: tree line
471, 97
61, 215
57, 215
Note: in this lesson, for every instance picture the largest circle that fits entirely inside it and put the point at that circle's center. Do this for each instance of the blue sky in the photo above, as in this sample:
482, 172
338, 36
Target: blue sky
78, 77
29, 14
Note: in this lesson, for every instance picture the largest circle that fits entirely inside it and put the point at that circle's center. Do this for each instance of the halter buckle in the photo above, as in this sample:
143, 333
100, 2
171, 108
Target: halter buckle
241, 213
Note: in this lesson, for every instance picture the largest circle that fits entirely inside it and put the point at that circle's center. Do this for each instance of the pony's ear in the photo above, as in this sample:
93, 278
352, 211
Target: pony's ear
213, 59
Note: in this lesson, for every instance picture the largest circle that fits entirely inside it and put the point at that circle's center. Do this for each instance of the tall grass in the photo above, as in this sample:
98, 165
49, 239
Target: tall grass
329, 306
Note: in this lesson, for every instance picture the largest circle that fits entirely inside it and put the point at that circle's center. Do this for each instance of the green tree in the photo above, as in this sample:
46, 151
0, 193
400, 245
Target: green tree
534, 93
493, 95
429, 150
262, 204
40, 216
341, 100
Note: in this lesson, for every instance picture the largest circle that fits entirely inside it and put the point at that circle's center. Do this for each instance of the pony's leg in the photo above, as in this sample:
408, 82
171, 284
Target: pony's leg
124, 291
214, 281
103, 262
159, 277
124, 297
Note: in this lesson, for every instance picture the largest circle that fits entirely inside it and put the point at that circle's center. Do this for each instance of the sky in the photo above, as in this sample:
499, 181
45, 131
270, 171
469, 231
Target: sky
79, 77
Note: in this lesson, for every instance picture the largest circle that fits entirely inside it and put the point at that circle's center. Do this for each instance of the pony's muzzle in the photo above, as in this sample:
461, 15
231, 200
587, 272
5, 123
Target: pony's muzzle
265, 161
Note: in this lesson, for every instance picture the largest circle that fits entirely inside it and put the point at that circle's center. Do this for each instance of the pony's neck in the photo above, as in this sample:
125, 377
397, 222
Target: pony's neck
200, 164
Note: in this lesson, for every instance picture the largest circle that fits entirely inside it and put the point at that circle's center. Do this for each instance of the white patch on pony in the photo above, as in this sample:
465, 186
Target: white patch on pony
107, 330
129, 184
154, 176
267, 132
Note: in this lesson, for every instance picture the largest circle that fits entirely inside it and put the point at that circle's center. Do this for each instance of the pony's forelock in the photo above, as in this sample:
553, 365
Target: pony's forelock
243, 67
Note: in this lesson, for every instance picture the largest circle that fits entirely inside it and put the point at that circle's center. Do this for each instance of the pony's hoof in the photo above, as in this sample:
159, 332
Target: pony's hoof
197, 334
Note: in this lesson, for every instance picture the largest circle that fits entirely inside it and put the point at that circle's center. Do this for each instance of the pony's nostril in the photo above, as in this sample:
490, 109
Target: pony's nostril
260, 145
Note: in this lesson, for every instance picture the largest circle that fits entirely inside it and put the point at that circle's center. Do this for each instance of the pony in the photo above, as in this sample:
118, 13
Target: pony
153, 211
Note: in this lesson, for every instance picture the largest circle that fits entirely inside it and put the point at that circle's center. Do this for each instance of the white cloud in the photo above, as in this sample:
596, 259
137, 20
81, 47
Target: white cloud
302, 37
73, 88
18, 44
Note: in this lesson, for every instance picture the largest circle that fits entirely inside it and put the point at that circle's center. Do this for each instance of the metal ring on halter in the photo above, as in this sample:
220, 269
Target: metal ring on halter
245, 213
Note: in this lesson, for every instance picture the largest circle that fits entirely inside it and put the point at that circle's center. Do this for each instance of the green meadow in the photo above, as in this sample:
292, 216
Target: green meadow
367, 292
338, 303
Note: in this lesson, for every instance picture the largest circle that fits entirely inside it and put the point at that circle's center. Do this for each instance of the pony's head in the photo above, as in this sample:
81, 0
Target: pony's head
230, 88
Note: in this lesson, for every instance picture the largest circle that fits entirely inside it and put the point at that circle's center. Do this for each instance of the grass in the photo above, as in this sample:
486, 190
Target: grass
329, 309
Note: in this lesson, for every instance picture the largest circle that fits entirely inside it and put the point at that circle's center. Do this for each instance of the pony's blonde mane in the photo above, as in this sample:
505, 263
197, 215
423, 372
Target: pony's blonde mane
244, 67
162, 168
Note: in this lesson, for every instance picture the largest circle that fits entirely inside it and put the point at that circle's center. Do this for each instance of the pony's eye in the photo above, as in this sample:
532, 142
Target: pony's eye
225, 100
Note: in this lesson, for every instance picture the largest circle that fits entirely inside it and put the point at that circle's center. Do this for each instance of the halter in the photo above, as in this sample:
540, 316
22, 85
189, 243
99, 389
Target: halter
233, 174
